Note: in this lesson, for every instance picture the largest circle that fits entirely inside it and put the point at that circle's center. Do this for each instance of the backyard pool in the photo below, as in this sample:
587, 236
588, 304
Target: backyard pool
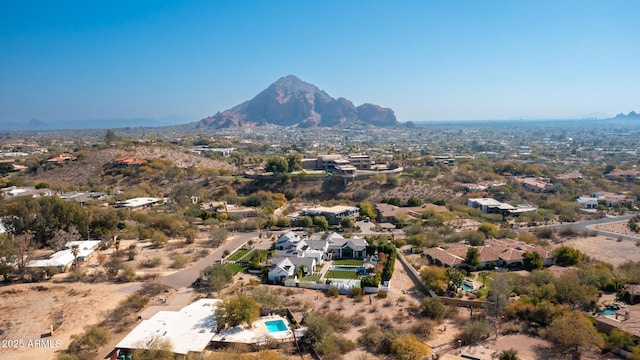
466, 287
608, 311
347, 268
276, 326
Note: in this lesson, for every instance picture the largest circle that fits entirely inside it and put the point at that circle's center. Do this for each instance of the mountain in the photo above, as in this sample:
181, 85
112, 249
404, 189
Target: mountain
630, 116
293, 102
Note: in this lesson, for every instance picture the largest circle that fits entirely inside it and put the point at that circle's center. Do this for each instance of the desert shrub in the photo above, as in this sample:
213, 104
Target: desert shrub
358, 320
382, 294
545, 233
155, 262
128, 273
159, 239
432, 308
423, 329
180, 261
333, 292
90, 340
475, 330
77, 275
357, 293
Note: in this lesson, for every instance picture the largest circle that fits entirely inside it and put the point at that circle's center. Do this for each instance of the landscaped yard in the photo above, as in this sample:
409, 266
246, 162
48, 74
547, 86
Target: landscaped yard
238, 254
348, 262
341, 274
236, 268
314, 278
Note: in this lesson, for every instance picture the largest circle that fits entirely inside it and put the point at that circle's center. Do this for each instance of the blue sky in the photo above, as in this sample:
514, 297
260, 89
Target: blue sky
427, 60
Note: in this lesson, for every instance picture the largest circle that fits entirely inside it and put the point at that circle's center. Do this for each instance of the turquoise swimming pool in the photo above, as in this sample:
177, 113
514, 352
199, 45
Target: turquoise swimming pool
608, 311
276, 326
347, 268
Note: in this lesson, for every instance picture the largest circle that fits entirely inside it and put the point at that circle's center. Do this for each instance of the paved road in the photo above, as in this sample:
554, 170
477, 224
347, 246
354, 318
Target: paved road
589, 226
186, 277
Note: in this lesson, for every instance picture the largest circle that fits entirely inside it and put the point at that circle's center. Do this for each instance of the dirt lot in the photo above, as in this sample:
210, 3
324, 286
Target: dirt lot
608, 248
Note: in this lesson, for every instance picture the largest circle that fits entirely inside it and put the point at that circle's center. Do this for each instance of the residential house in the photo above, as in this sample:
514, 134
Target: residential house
346, 248
222, 207
294, 251
281, 269
495, 252
189, 331
139, 203
606, 198
129, 161
631, 174
493, 206
62, 158
333, 214
535, 184
62, 260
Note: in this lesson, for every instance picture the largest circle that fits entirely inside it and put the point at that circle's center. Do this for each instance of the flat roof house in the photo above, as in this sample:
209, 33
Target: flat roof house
189, 330
333, 214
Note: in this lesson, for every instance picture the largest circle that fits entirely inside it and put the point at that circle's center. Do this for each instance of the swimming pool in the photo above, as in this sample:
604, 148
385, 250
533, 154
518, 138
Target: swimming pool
276, 326
467, 287
608, 311
347, 268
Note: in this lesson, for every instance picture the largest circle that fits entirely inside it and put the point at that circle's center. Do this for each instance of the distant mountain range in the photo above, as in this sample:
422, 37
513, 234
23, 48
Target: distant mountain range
630, 116
293, 102
40, 125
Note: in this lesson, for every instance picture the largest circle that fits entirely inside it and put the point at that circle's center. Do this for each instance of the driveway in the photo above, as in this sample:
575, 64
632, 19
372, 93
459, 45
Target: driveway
188, 276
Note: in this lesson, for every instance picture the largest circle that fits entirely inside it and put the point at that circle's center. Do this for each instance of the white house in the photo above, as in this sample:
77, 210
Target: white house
281, 268
189, 330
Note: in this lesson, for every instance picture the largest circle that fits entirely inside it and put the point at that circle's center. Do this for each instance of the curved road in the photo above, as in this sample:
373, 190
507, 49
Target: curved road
186, 277
589, 226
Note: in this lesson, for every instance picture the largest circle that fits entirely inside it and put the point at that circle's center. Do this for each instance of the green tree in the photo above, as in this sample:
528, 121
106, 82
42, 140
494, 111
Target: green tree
408, 347
321, 222
347, 223
414, 201
276, 164
110, 136
620, 339
432, 308
217, 236
531, 261
7, 255
305, 221
434, 278
219, 276
366, 210
572, 331
236, 311
567, 256
294, 162
473, 257
489, 229
455, 278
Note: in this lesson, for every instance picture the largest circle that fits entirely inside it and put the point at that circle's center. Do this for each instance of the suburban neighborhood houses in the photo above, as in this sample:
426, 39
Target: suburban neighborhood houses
441, 246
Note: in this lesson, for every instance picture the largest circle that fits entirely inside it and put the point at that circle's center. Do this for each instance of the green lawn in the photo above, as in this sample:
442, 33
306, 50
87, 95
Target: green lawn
238, 254
348, 262
339, 274
236, 268
314, 278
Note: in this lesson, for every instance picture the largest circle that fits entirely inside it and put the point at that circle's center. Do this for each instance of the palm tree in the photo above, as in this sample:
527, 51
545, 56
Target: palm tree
76, 250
